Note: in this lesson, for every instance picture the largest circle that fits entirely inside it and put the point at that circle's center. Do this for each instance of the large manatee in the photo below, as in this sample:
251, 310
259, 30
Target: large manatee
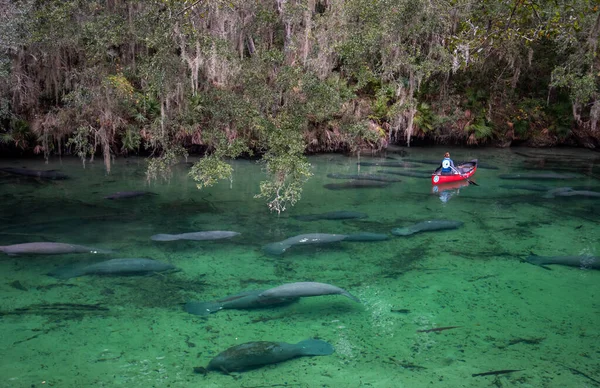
427, 226
48, 248
356, 184
540, 176
255, 354
570, 192
581, 261
196, 236
335, 215
366, 236
128, 194
366, 177
300, 289
43, 174
278, 248
241, 301
113, 267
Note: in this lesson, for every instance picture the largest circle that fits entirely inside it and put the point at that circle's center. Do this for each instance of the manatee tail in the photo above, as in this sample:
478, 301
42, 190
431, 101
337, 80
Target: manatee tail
4, 248
536, 260
70, 271
349, 295
164, 237
314, 347
203, 309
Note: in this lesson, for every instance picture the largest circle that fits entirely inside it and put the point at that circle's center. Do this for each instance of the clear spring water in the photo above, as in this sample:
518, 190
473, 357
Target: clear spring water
115, 331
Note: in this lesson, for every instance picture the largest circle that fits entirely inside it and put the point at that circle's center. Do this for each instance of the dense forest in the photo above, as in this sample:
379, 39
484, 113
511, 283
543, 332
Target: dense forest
279, 79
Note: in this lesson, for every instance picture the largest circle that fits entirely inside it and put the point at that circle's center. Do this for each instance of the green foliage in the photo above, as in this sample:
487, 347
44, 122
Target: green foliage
160, 167
480, 128
424, 118
383, 100
285, 165
582, 87
239, 77
560, 118
359, 134
80, 142
130, 140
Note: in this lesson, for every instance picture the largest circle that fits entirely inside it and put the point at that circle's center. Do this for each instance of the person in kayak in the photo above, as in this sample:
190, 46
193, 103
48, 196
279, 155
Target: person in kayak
448, 165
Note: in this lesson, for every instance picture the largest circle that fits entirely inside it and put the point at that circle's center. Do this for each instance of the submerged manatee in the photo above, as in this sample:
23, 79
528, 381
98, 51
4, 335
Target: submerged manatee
366, 177
255, 354
389, 164
196, 236
540, 176
336, 215
427, 226
128, 194
366, 236
241, 301
48, 248
48, 174
113, 267
526, 187
300, 289
278, 248
414, 174
581, 261
570, 192
356, 184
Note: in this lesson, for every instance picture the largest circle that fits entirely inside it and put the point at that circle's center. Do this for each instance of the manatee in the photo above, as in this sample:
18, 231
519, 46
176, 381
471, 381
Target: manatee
44, 174
196, 236
366, 177
48, 248
241, 301
336, 215
366, 236
526, 187
300, 289
427, 226
581, 261
278, 248
113, 267
414, 174
128, 194
540, 176
356, 184
389, 164
251, 355
569, 192
556, 191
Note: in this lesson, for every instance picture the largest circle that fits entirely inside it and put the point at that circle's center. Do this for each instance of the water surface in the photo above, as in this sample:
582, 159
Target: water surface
133, 332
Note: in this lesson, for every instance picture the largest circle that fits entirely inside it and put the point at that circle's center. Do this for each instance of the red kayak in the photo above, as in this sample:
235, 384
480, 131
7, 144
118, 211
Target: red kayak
466, 170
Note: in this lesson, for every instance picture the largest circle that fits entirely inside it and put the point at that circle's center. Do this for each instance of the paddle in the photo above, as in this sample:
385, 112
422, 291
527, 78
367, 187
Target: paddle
464, 177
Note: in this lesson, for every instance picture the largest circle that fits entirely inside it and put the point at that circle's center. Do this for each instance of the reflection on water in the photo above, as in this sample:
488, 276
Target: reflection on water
133, 331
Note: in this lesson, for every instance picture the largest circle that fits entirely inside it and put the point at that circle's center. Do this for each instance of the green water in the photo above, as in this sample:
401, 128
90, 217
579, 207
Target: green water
133, 331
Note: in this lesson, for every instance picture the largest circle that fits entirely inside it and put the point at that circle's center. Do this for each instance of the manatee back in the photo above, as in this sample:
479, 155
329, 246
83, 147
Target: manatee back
248, 355
254, 354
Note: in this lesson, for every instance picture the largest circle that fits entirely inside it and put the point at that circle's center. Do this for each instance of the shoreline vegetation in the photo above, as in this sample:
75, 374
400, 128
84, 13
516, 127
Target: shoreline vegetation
277, 80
